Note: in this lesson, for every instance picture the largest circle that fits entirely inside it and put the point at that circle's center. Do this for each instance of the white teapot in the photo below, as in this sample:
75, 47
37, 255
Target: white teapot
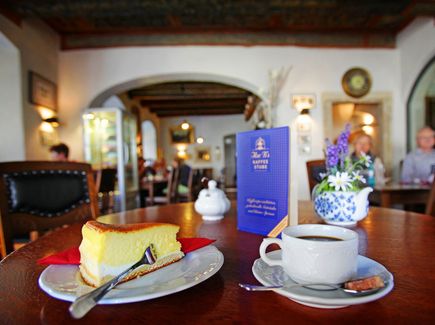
212, 202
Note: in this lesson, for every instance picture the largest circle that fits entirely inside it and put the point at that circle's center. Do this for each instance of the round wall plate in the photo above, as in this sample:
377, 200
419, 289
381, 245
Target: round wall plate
356, 82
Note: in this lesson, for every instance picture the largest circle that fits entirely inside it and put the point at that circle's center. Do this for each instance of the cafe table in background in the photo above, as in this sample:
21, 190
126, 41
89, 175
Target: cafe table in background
401, 241
395, 193
149, 184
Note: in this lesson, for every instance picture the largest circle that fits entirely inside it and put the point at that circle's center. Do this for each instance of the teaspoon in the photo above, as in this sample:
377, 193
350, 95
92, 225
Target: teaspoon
252, 287
85, 303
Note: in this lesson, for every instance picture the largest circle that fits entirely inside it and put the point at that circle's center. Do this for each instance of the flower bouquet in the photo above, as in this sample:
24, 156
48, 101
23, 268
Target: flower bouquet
341, 197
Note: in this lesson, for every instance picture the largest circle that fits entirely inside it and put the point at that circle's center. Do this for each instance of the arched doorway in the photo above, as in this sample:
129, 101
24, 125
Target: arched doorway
166, 149
154, 125
151, 80
421, 103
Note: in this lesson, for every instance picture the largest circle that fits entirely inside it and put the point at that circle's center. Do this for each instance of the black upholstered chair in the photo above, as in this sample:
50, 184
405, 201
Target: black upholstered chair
39, 196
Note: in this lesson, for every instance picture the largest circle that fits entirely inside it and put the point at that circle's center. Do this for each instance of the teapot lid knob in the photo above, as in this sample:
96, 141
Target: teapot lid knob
212, 184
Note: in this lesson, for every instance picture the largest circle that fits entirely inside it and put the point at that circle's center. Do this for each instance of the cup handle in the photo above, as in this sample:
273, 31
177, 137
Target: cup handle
266, 242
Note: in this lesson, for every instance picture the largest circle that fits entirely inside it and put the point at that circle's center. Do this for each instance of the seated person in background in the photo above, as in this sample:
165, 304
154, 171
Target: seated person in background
183, 175
144, 168
160, 167
183, 186
140, 167
363, 144
419, 164
59, 152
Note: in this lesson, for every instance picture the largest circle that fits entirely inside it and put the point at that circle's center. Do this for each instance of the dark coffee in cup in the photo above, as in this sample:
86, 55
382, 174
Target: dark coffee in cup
320, 238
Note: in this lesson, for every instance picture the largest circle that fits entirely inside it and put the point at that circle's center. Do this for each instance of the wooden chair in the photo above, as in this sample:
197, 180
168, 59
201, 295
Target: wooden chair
36, 196
314, 168
197, 175
186, 172
430, 205
105, 185
170, 194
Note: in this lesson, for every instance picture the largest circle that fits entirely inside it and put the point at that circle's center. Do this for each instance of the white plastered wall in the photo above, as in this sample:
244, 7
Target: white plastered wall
38, 46
11, 115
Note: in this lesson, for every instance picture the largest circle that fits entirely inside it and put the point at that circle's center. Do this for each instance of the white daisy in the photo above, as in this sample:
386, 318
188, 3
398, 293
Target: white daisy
366, 159
341, 181
358, 177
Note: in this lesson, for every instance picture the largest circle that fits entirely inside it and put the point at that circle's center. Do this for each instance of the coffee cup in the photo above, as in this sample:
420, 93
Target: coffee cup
315, 253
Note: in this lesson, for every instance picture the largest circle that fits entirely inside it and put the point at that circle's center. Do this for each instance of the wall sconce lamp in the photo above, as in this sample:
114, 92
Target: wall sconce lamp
305, 101
49, 119
199, 140
182, 151
54, 121
303, 104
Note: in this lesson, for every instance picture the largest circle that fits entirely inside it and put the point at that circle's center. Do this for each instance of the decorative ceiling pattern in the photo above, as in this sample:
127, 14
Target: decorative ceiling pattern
339, 23
191, 98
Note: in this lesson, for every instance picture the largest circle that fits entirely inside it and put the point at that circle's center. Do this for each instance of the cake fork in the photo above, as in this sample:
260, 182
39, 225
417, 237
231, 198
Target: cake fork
85, 303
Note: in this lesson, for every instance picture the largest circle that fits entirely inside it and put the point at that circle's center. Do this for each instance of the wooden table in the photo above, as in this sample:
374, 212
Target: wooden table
402, 241
389, 194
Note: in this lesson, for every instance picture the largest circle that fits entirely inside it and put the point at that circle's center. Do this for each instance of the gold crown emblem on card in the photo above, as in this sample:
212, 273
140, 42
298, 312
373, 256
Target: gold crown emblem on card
260, 144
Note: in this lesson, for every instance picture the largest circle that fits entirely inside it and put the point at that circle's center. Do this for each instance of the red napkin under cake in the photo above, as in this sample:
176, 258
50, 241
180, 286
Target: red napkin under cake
72, 255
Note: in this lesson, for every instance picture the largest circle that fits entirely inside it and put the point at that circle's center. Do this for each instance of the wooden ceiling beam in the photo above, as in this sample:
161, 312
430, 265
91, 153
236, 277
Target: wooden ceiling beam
188, 89
184, 112
195, 103
189, 97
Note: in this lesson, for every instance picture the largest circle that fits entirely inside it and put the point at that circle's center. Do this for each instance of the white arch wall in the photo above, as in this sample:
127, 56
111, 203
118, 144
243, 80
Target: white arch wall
11, 113
417, 47
85, 74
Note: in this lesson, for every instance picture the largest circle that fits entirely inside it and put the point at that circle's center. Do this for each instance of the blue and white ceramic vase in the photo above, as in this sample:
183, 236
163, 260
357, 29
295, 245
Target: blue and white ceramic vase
342, 208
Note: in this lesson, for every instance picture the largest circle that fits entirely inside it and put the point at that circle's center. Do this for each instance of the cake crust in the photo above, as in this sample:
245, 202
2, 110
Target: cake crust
138, 272
123, 228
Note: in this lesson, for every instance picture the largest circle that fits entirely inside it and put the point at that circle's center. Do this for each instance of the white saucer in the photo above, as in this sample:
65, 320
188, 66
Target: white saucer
64, 281
275, 275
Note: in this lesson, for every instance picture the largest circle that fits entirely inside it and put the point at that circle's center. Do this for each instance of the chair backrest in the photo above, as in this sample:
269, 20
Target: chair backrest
430, 205
314, 168
172, 185
40, 195
197, 176
185, 178
106, 180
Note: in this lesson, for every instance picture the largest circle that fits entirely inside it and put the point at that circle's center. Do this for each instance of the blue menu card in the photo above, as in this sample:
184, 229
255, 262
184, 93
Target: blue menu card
263, 159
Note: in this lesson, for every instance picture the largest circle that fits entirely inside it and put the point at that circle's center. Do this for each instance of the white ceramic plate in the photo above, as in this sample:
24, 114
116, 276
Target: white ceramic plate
275, 275
64, 281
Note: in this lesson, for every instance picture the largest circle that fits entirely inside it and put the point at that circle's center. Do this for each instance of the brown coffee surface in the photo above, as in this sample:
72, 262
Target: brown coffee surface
320, 238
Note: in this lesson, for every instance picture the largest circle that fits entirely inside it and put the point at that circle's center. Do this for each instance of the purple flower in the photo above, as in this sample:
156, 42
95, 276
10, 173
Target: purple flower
336, 154
342, 144
342, 141
331, 155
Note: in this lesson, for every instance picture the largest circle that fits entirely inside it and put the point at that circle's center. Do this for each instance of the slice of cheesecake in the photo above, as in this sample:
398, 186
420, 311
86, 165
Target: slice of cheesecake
106, 250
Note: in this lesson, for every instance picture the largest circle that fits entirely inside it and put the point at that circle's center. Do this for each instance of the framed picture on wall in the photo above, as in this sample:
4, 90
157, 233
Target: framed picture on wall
202, 154
180, 136
42, 91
